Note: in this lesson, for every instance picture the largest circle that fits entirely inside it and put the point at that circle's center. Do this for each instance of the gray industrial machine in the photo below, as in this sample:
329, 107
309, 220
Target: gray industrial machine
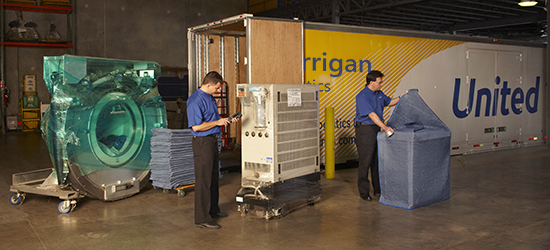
280, 148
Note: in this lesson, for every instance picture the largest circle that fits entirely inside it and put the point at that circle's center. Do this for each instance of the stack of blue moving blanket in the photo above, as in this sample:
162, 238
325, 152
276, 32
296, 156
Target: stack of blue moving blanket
171, 158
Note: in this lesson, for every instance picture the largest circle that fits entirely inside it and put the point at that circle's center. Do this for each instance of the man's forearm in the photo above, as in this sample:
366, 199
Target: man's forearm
394, 101
205, 126
374, 117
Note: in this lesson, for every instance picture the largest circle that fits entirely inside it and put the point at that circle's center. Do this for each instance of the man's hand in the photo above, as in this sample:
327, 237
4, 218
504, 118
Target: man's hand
222, 122
208, 125
386, 129
234, 120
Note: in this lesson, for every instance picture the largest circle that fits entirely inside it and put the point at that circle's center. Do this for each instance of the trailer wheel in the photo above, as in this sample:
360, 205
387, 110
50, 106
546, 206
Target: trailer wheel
166, 191
64, 207
15, 199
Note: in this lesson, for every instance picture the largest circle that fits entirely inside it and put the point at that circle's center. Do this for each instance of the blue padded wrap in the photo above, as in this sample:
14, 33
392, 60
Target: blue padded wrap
414, 164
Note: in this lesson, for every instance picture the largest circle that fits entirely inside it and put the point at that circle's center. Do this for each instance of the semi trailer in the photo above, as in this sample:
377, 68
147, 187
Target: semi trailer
491, 93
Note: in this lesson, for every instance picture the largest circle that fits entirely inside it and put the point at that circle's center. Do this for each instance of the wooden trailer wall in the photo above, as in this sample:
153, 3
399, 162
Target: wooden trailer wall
224, 57
246, 50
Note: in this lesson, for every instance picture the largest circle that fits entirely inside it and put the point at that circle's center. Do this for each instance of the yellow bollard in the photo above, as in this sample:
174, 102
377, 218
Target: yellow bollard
329, 145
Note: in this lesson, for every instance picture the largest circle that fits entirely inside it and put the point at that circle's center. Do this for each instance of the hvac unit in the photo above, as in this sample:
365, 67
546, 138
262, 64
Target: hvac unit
280, 148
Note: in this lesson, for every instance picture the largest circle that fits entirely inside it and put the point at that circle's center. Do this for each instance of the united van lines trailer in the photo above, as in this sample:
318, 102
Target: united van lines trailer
490, 93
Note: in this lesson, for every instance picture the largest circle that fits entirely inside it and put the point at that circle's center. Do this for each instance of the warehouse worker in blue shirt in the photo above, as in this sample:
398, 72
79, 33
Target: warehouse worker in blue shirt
205, 123
370, 103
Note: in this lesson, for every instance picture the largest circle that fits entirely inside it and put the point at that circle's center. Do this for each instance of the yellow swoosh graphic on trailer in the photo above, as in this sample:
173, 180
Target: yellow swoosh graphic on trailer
332, 60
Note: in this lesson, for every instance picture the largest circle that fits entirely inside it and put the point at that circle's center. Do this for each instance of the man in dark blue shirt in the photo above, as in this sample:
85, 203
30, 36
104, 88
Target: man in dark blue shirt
370, 103
205, 123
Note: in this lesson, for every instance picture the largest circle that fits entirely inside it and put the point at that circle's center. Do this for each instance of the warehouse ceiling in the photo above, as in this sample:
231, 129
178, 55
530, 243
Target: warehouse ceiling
499, 19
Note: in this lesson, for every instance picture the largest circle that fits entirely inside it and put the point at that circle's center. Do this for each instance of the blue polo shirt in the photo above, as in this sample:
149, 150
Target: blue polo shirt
368, 101
202, 107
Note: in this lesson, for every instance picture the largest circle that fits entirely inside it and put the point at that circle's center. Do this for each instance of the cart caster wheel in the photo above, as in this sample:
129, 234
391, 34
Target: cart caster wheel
181, 193
64, 207
166, 191
243, 208
16, 199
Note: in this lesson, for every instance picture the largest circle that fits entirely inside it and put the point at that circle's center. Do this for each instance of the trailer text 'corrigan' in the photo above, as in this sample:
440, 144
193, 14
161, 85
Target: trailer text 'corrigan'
336, 65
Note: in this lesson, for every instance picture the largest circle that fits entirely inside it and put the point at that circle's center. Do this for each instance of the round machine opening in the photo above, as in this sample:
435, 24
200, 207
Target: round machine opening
116, 130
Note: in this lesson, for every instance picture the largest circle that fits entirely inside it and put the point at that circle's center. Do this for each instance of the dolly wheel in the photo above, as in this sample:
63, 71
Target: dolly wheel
64, 207
15, 199
181, 193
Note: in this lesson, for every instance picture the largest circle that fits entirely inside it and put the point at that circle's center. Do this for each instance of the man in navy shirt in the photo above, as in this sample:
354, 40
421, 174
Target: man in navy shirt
205, 123
370, 103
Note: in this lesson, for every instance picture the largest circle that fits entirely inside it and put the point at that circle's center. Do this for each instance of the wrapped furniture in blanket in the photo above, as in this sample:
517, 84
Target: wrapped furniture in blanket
414, 163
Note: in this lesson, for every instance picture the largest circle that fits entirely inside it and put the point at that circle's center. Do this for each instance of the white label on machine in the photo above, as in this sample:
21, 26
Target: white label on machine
294, 97
269, 160
239, 199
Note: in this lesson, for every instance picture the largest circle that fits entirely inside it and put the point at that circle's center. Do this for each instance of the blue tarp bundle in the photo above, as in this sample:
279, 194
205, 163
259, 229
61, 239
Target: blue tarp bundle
414, 163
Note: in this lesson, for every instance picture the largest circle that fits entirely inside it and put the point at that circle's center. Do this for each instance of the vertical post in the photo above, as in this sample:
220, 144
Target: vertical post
71, 27
2, 71
206, 56
329, 145
335, 12
222, 56
191, 60
547, 78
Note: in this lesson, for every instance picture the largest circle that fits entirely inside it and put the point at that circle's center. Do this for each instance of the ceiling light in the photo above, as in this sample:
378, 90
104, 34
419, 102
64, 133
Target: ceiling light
527, 3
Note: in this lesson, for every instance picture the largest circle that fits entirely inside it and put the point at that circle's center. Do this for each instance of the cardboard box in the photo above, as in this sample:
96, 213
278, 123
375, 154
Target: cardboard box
176, 115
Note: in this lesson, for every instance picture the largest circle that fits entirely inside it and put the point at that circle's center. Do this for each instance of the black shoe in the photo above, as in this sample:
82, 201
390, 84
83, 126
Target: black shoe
367, 198
208, 225
219, 215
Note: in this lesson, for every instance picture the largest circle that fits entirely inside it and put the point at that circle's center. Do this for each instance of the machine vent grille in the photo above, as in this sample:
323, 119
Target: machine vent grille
282, 157
298, 135
287, 146
305, 97
304, 115
290, 126
298, 164
258, 167
283, 107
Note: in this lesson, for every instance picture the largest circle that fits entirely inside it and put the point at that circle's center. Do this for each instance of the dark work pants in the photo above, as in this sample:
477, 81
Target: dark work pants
367, 148
207, 172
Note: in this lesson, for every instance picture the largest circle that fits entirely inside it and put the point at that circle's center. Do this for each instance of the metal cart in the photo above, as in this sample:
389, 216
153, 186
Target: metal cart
180, 189
43, 182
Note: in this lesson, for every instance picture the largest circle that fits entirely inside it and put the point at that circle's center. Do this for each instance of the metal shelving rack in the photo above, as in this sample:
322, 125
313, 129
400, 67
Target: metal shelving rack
3, 44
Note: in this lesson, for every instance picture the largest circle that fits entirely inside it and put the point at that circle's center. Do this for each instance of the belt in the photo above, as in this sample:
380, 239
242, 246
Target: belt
357, 124
211, 135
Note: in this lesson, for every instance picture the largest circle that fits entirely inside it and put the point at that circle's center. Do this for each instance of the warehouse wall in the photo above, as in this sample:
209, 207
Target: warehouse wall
151, 30
20, 61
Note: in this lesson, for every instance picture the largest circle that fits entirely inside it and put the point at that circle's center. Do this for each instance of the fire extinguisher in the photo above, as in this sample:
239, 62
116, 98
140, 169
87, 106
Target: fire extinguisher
6, 96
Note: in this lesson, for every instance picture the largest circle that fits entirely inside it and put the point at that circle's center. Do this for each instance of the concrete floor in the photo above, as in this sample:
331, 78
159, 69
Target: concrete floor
499, 200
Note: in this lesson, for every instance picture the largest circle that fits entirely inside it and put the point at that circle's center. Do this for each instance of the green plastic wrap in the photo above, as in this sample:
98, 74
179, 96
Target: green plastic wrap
99, 122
